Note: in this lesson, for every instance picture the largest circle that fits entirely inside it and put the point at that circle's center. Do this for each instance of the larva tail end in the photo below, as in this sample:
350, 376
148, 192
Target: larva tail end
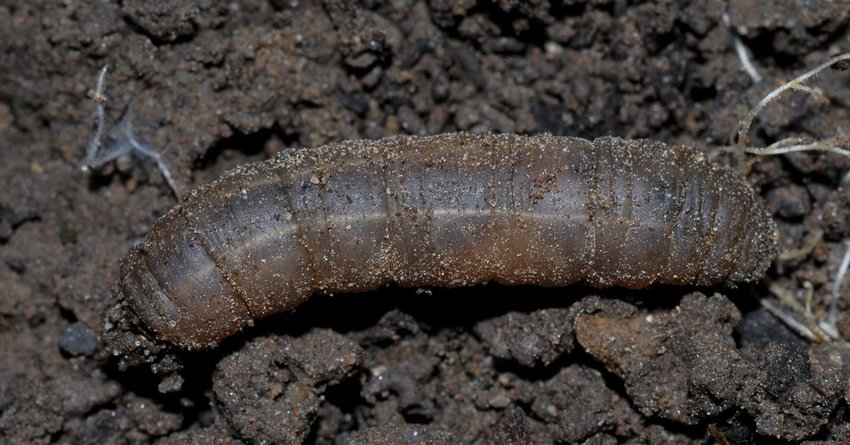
762, 250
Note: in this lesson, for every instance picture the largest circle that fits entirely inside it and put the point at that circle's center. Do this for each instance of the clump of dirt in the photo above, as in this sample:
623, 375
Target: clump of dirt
691, 350
211, 85
260, 382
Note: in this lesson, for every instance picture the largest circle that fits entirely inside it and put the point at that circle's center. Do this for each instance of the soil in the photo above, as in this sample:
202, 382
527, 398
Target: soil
210, 85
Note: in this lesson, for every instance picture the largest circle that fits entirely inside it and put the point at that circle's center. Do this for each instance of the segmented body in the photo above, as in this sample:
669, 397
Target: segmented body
446, 210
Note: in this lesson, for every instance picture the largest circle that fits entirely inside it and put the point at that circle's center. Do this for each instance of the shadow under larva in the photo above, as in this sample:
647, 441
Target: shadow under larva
447, 210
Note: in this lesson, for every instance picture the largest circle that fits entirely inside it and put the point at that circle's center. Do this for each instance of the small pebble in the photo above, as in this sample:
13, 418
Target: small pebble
172, 383
77, 339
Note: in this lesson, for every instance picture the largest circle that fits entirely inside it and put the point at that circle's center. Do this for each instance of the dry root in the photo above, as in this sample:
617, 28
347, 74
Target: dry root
813, 328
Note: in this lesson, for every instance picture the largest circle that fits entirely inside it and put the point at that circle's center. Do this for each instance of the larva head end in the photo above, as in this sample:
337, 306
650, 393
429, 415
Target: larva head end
177, 290
126, 340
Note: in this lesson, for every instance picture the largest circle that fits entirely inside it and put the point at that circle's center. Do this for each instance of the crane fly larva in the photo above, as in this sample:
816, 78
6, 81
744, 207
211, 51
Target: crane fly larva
447, 210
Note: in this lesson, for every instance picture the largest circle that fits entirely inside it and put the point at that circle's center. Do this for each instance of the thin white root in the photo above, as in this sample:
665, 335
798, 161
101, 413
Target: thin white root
145, 151
809, 244
97, 155
812, 328
791, 145
741, 51
800, 328
830, 330
824, 329
99, 97
796, 84
836, 284
744, 57
814, 92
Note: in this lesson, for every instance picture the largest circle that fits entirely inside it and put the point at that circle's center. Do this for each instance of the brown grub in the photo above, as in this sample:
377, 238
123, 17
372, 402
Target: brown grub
611, 213
219, 84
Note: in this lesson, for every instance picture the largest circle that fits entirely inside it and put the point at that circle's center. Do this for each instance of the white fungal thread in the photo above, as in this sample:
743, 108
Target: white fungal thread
101, 149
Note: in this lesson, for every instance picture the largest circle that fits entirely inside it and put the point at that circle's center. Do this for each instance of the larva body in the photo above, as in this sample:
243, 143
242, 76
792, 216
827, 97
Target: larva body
447, 210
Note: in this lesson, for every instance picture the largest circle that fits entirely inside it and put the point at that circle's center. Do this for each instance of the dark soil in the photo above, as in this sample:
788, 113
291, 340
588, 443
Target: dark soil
216, 84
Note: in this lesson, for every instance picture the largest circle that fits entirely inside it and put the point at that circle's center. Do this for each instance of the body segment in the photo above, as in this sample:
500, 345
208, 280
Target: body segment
447, 210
